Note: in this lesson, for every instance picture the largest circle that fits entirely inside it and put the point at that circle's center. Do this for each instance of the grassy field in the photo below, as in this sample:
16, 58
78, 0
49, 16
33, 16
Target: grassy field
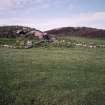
52, 76
97, 41
9, 41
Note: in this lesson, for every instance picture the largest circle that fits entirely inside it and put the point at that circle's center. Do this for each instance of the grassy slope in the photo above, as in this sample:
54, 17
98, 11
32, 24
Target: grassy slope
76, 39
97, 41
52, 76
8, 41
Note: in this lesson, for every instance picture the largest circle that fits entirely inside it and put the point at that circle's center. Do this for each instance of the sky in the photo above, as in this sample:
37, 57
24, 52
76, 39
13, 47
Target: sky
49, 14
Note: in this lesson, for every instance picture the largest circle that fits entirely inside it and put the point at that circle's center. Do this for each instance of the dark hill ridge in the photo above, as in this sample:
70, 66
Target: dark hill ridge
11, 31
77, 31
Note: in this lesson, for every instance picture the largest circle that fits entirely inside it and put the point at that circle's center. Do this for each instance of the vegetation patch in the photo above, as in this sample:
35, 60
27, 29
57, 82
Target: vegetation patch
52, 76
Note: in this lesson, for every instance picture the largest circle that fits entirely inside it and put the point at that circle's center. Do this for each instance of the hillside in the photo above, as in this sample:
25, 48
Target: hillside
77, 31
11, 31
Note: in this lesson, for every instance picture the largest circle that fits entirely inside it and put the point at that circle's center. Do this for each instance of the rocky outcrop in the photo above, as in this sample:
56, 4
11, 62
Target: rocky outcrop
13, 31
21, 31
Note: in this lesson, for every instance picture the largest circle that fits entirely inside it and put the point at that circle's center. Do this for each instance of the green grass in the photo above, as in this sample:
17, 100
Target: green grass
9, 41
52, 76
96, 41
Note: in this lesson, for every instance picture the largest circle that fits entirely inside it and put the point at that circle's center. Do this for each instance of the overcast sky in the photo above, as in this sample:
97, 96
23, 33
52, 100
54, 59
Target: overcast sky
48, 14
